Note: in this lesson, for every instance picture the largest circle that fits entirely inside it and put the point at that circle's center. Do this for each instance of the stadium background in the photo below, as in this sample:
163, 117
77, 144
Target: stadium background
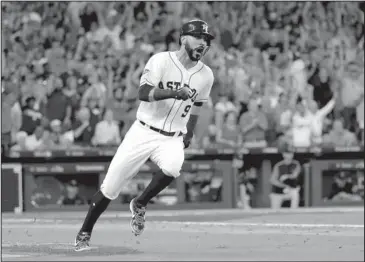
70, 72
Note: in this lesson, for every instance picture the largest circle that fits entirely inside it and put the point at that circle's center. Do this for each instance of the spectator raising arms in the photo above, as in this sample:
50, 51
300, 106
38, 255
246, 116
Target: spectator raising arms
318, 118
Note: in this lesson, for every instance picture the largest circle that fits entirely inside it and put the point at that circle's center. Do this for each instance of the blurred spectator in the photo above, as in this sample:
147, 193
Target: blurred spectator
321, 83
273, 48
223, 106
247, 182
35, 141
17, 119
82, 130
343, 189
31, 117
318, 118
283, 113
87, 15
73, 95
353, 96
107, 131
94, 97
56, 105
20, 140
8, 100
339, 136
228, 135
110, 27
301, 126
253, 126
71, 194
58, 138
208, 141
299, 76
118, 103
268, 52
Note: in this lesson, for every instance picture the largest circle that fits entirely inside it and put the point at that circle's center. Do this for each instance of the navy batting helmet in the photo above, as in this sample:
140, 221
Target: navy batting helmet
196, 28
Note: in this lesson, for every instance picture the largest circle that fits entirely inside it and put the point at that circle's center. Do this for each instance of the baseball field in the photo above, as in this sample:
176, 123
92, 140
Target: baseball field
331, 234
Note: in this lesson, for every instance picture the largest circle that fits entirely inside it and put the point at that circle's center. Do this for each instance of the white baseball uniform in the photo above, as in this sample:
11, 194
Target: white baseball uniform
163, 70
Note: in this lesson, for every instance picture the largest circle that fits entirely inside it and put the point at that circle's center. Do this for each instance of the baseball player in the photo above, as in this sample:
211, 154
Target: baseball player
173, 87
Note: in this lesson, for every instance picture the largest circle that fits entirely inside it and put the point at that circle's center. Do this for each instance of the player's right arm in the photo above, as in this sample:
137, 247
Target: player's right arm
151, 77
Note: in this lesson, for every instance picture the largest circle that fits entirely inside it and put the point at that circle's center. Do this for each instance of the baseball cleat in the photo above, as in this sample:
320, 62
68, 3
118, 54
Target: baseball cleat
138, 218
82, 241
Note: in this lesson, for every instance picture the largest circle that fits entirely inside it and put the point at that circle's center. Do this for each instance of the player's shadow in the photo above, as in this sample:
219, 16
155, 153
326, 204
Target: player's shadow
104, 251
68, 250
107, 251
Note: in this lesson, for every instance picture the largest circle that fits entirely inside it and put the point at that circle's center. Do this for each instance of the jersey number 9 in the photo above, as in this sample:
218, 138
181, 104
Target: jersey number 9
186, 111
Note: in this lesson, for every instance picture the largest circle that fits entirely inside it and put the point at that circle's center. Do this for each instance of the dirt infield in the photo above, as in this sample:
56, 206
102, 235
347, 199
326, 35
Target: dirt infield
307, 234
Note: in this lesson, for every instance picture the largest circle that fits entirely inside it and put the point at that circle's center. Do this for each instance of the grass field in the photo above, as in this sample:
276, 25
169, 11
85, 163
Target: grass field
335, 234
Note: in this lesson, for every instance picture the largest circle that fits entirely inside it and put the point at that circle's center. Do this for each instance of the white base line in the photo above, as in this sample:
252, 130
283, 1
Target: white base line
288, 225
191, 223
176, 213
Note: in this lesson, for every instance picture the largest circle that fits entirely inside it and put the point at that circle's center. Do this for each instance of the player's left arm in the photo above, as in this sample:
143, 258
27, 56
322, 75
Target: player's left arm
193, 119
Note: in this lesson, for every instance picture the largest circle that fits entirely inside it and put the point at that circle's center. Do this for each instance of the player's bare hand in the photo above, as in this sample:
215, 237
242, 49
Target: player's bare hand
182, 93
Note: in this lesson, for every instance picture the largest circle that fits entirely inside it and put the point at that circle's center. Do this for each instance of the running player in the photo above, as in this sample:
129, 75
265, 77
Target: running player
173, 87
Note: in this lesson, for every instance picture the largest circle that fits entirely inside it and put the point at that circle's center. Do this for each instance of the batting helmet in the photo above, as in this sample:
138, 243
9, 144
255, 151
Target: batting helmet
196, 28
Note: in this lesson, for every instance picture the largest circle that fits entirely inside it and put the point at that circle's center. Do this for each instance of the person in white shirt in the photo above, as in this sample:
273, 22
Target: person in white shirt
109, 27
223, 106
107, 131
302, 126
20, 139
35, 141
298, 75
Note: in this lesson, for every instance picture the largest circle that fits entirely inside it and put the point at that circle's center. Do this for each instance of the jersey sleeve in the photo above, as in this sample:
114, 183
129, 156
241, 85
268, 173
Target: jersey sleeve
203, 96
153, 70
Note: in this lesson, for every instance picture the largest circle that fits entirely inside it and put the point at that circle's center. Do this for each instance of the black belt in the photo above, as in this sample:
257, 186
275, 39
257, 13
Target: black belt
159, 130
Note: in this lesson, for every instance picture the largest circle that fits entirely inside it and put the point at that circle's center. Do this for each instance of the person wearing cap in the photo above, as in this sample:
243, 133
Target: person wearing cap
71, 195
173, 87
284, 180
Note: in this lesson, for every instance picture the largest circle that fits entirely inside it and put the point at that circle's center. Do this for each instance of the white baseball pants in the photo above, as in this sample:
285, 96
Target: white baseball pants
139, 145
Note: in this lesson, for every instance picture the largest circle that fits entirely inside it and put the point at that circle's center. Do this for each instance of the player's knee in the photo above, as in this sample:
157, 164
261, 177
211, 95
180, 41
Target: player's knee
170, 171
108, 193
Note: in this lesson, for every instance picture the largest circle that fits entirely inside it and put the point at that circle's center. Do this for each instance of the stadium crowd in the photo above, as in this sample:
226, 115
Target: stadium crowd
285, 72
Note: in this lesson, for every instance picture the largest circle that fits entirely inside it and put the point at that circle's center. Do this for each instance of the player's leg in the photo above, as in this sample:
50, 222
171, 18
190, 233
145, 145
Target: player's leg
169, 157
130, 156
245, 197
276, 200
294, 197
